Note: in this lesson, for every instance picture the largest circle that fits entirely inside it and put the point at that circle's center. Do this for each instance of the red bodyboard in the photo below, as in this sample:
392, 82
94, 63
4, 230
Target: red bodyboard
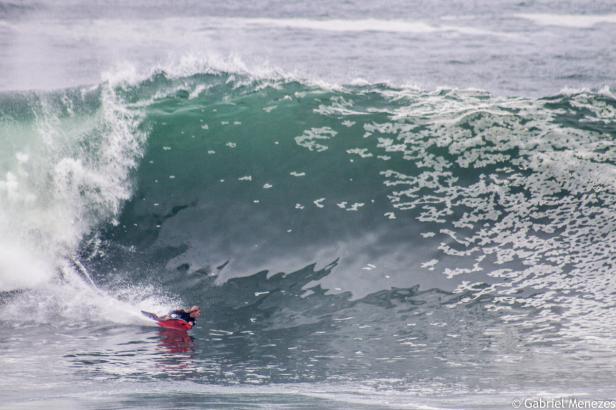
176, 324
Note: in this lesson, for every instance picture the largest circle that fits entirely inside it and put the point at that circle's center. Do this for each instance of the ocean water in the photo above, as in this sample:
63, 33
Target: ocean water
376, 204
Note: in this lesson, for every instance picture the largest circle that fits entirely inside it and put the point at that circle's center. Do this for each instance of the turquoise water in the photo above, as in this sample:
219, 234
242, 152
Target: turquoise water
353, 244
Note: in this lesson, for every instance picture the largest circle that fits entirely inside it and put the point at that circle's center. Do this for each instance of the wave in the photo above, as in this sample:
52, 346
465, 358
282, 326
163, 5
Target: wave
365, 25
65, 171
568, 20
195, 180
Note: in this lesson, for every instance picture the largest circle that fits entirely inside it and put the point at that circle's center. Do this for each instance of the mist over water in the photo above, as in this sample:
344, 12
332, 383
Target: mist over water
376, 206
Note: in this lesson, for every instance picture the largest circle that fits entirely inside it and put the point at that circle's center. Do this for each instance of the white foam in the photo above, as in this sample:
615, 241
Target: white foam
568, 20
366, 25
605, 91
310, 137
397, 26
18, 258
69, 173
551, 157
72, 297
174, 28
569, 91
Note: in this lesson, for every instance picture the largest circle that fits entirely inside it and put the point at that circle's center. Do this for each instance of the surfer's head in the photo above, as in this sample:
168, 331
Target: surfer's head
195, 311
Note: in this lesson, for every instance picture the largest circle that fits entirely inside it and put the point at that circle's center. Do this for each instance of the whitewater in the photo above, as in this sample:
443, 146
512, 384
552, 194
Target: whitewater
376, 205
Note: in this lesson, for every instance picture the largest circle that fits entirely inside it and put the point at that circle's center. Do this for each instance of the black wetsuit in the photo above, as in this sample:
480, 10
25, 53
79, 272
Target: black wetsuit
180, 314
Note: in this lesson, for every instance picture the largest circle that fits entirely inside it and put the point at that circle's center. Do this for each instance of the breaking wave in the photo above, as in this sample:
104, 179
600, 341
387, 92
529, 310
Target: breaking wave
287, 203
